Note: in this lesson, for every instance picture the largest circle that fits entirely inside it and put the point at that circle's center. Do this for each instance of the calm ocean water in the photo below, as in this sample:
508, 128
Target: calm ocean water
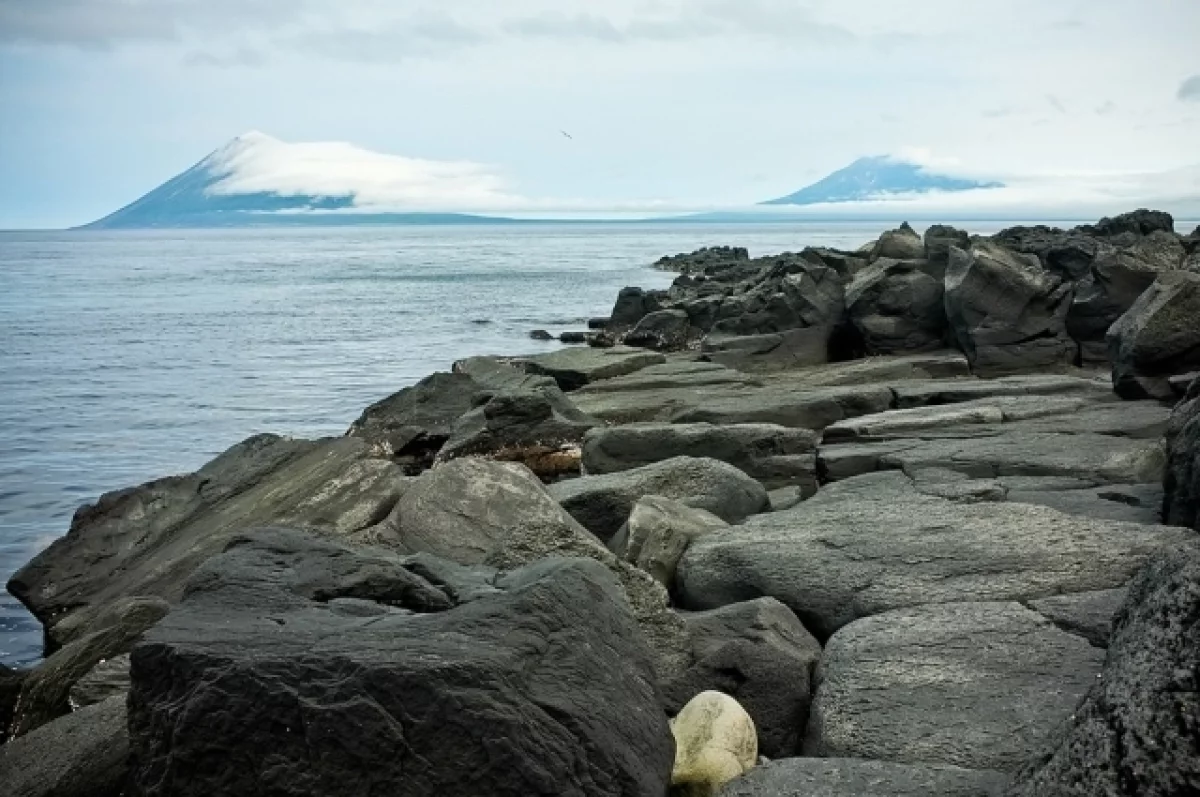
126, 356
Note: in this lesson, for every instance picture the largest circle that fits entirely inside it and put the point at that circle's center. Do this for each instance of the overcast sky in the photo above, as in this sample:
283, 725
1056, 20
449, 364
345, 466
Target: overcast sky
695, 102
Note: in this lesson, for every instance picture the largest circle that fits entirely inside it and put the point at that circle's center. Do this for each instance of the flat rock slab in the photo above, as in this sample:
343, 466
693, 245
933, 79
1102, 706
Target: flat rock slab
575, 367
1088, 614
1093, 457
876, 543
849, 777
976, 685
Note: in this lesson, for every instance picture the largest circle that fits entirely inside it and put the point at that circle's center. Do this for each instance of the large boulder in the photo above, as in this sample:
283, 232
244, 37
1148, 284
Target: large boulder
775, 455
631, 306
10, 690
603, 503
107, 679
875, 543
306, 667
1006, 311
1117, 278
657, 533
145, 541
1069, 254
1157, 338
475, 511
715, 742
80, 755
707, 258
1181, 481
1137, 222
976, 685
851, 777
46, 691
897, 306
1138, 732
758, 653
938, 240
902, 243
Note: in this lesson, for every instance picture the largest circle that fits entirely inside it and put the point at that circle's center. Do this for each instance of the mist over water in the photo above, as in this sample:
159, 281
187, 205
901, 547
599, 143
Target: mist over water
127, 356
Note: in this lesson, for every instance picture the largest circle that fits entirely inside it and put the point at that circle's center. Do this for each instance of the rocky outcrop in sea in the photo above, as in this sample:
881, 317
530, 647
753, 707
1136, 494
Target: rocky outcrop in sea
915, 519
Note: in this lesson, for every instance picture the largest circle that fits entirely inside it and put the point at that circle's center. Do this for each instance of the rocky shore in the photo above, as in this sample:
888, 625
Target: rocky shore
915, 519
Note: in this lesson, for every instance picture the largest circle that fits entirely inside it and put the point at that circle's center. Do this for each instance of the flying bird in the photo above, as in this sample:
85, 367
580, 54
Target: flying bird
568, 135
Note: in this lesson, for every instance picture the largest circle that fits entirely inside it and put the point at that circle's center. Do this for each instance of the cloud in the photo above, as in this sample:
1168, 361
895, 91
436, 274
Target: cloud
1106, 108
1189, 90
1056, 103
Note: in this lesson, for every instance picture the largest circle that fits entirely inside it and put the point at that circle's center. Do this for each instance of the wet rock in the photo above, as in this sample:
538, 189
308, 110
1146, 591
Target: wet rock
597, 323
775, 455
849, 777
258, 665
574, 368
896, 306
574, 338
1157, 338
602, 503
46, 691
80, 755
976, 685
540, 334
1006, 311
758, 653
146, 540
657, 533
876, 543
1137, 732
1088, 614
714, 743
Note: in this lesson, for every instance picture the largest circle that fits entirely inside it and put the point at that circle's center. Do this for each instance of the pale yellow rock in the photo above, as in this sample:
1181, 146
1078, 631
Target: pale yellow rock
715, 742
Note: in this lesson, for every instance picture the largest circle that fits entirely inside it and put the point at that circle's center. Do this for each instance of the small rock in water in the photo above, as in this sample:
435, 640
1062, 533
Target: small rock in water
715, 742
573, 337
597, 323
541, 334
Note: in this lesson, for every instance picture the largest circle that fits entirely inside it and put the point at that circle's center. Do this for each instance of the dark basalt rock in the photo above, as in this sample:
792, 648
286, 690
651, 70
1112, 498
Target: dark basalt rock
758, 653
1138, 731
540, 334
573, 337
80, 755
1006, 311
10, 688
851, 777
144, 541
1138, 222
1069, 254
1157, 338
418, 419
702, 260
664, 330
897, 307
308, 668
1181, 481
938, 240
902, 243
632, 305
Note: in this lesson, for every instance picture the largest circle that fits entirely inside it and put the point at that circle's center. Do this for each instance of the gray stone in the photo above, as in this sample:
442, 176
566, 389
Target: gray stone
657, 533
1088, 614
902, 243
603, 503
938, 240
1181, 480
146, 540
46, 690
1138, 732
416, 421
784, 498
897, 306
632, 305
976, 685
1007, 312
875, 543
1129, 503
775, 455
574, 368
80, 755
849, 777
544, 686
662, 330
759, 654
1158, 338
108, 678
474, 511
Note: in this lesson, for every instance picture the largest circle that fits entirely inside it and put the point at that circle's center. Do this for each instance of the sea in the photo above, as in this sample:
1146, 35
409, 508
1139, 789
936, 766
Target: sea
131, 355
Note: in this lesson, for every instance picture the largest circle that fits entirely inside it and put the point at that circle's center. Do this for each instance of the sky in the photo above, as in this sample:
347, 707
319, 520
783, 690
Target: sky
668, 103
